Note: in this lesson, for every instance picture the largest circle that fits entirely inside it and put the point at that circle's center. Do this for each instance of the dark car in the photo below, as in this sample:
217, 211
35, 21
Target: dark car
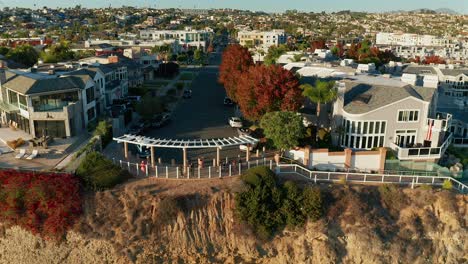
160, 120
136, 129
244, 131
143, 152
228, 101
187, 94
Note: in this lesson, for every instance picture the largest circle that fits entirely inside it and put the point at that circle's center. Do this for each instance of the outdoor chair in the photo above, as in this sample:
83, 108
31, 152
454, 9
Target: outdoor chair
21, 154
34, 154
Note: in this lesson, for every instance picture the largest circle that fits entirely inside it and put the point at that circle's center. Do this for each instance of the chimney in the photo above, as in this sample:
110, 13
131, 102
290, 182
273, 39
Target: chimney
113, 59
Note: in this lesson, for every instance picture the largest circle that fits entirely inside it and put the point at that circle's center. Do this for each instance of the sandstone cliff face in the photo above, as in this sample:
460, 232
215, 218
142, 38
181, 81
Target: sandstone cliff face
123, 226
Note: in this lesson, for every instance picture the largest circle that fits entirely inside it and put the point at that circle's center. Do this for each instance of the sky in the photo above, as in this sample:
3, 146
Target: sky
460, 6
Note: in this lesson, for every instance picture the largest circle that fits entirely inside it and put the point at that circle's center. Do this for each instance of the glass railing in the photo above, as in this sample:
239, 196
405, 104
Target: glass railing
51, 108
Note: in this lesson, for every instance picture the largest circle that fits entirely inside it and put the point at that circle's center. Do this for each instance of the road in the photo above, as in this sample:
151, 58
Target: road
204, 116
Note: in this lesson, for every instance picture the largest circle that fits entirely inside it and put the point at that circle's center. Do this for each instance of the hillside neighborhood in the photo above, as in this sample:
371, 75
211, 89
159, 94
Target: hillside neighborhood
126, 98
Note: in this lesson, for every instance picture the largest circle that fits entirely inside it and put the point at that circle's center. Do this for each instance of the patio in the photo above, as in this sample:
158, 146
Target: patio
48, 157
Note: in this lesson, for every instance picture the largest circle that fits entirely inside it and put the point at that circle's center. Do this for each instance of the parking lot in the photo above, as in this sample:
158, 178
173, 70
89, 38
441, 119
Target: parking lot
204, 116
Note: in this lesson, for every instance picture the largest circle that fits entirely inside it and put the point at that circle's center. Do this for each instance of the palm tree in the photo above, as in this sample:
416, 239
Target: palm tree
323, 92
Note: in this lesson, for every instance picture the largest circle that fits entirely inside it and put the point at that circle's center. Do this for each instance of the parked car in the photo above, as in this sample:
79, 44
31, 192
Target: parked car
243, 131
235, 122
136, 129
228, 101
187, 94
244, 147
143, 152
160, 120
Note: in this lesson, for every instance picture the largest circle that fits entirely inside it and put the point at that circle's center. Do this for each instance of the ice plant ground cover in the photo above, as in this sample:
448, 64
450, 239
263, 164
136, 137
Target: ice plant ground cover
47, 204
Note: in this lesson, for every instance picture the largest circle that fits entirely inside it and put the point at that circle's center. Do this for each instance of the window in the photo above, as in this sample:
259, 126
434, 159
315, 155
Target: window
90, 114
365, 128
408, 116
89, 95
364, 140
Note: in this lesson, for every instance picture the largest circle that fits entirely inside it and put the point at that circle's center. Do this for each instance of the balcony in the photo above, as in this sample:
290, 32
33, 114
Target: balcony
421, 153
460, 142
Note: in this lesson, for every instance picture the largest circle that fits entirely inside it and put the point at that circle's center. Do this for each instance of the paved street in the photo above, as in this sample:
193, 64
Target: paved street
203, 116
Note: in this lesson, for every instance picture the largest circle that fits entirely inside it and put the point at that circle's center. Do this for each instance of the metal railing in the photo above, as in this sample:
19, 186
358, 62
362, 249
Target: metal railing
367, 178
405, 153
460, 142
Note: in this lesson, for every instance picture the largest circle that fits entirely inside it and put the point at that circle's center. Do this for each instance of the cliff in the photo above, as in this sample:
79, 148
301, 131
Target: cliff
134, 224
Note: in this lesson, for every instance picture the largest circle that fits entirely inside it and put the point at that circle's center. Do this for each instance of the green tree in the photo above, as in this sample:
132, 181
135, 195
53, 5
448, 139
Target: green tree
4, 50
284, 129
24, 54
323, 92
98, 173
181, 58
199, 56
150, 106
58, 52
312, 203
274, 52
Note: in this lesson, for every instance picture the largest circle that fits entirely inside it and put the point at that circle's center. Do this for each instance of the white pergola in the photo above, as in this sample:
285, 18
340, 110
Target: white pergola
183, 144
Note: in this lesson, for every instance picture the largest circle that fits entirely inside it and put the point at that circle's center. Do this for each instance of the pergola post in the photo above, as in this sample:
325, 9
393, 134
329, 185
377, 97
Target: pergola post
218, 156
184, 155
152, 157
247, 154
126, 150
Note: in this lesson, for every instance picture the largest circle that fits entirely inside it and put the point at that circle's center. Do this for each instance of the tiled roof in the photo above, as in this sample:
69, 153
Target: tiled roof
362, 98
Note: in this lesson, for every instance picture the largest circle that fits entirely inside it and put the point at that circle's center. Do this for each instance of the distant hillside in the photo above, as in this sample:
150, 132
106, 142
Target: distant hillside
429, 11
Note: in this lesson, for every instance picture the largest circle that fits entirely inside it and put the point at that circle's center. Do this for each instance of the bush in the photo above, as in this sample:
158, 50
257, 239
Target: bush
268, 206
180, 85
171, 92
98, 172
47, 204
313, 203
447, 185
104, 130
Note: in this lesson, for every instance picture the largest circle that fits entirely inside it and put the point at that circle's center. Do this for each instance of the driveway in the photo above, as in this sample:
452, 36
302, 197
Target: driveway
204, 116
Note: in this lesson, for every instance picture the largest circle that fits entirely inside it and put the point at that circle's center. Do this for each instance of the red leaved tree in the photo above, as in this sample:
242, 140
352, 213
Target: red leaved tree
265, 89
317, 44
236, 60
433, 60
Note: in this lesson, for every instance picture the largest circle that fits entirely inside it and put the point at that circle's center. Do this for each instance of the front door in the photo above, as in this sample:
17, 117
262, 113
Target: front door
405, 138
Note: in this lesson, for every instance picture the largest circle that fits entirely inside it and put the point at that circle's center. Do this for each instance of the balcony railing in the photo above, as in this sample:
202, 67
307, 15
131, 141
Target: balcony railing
460, 142
406, 153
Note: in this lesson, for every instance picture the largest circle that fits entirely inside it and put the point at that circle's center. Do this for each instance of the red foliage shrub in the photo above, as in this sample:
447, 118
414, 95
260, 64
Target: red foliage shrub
46, 204
433, 59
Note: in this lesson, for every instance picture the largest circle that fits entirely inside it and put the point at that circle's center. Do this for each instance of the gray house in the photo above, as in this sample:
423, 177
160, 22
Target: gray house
59, 106
399, 116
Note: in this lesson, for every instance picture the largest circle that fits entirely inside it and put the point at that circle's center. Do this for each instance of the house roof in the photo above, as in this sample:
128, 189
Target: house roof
455, 72
83, 72
362, 98
25, 84
420, 70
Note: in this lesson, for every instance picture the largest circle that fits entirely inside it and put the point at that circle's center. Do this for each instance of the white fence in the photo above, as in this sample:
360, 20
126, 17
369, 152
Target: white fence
412, 180
177, 172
